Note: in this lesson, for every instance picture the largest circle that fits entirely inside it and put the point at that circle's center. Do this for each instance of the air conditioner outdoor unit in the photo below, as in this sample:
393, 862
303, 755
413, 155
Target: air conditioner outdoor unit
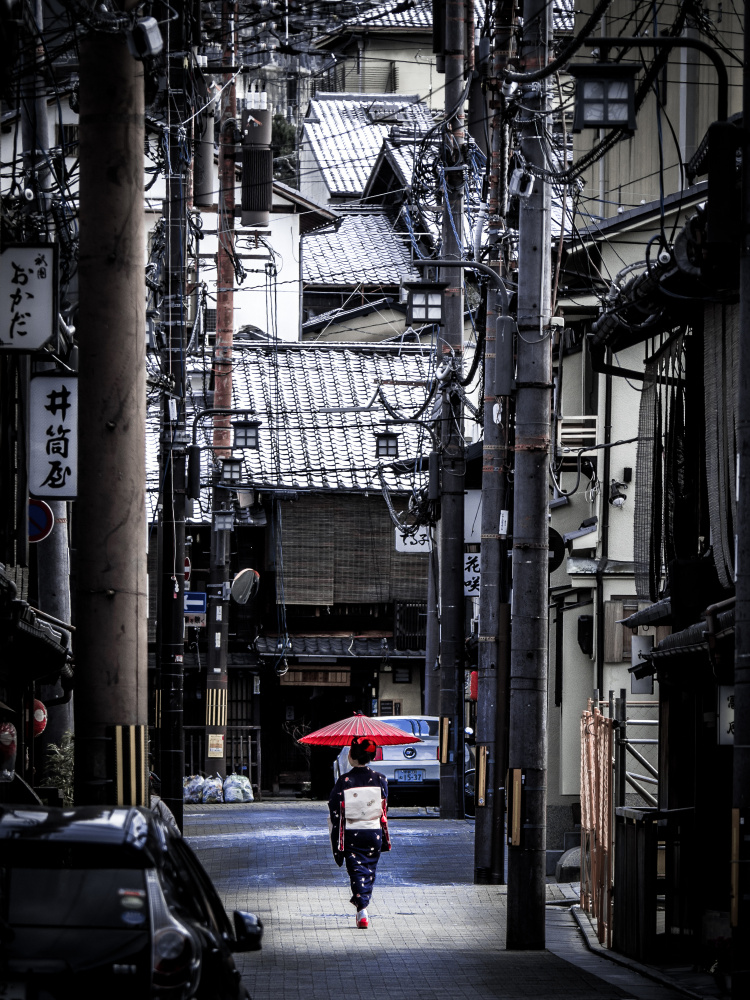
573, 434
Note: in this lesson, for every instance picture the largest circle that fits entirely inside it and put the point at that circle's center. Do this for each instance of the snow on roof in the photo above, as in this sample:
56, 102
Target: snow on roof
301, 447
366, 249
345, 133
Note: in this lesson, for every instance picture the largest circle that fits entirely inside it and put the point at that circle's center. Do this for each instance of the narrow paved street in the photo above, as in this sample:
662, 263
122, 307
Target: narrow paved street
433, 933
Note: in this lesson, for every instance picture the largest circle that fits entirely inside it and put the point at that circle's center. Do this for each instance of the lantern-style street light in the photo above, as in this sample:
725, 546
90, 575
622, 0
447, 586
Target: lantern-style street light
231, 470
246, 433
604, 95
426, 302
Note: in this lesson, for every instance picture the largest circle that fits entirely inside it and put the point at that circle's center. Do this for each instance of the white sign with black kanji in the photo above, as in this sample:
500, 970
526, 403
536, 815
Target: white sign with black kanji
28, 286
53, 436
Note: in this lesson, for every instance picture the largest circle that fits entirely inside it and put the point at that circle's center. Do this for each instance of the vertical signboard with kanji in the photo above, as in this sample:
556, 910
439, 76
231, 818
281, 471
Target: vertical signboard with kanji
28, 296
53, 436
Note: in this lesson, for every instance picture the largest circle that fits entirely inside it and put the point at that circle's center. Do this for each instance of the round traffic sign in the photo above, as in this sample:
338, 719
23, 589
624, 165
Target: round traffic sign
41, 520
187, 569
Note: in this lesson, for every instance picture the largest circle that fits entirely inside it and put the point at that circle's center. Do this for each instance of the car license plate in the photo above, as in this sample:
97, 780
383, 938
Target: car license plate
409, 775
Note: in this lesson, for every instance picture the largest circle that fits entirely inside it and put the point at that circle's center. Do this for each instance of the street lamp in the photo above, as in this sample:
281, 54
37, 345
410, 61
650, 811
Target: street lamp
231, 470
425, 303
223, 520
605, 96
246, 433
386, 444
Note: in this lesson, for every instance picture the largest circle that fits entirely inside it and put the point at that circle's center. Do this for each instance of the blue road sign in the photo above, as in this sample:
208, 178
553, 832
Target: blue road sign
195, 602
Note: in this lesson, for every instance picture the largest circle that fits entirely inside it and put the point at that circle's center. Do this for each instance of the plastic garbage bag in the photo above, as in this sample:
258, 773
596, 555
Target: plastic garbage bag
212, 790
237, 788
192, 788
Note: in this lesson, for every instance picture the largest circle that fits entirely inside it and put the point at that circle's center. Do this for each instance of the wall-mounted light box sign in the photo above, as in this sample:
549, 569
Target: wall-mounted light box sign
725, 714
28, 296
53, 436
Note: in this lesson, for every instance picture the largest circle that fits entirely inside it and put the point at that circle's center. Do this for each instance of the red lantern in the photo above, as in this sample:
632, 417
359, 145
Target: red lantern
40, 717
7, 751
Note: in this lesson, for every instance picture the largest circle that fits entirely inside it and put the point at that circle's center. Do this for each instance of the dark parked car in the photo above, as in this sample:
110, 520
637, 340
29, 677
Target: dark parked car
111, 903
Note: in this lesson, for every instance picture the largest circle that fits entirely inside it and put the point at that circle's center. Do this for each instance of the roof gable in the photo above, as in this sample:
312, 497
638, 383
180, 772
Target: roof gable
345, 133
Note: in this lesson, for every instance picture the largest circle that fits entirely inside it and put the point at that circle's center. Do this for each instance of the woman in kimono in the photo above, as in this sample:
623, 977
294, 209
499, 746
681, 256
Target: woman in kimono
358, 822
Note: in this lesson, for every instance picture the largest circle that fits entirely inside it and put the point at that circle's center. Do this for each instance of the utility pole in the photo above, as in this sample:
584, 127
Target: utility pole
494, 610
432, 638
528, 677
173, 431
451, 533
218, 603
740, 870
111, 608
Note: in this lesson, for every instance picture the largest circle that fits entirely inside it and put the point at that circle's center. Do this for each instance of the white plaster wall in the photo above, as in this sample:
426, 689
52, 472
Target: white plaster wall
415, 62
311, 182
408, 694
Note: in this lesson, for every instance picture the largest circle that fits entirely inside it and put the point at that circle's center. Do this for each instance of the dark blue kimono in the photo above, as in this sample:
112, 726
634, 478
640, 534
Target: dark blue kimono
358, 809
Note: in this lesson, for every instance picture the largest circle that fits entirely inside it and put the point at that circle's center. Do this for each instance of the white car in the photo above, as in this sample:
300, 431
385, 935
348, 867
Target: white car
412, 770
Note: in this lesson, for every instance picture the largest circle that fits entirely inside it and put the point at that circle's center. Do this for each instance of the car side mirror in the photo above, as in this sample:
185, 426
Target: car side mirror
248, 932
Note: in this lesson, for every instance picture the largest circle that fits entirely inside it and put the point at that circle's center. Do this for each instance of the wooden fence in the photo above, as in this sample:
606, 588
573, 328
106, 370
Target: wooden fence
596, 819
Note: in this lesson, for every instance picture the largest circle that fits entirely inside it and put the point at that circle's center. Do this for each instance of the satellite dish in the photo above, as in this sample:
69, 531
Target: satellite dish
244, 585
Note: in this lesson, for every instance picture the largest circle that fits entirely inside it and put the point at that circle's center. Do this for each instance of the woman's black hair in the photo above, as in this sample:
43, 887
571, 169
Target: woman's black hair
363, 749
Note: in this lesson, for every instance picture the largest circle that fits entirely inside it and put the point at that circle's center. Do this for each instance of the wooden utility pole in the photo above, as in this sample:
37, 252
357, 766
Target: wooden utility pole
173, 431
494, 610
218, 603
451, 532
111, 608
528, 666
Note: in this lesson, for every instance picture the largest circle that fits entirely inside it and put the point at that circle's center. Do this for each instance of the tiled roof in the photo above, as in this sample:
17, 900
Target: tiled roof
365, 249
345, 133
417, 15
308, 645
302, 448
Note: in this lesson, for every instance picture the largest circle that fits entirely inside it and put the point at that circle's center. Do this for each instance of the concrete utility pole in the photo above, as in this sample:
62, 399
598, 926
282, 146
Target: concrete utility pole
494, 610
528, 666
452, 623
432, 638
740, 874
173, 432
218, 604
111, 608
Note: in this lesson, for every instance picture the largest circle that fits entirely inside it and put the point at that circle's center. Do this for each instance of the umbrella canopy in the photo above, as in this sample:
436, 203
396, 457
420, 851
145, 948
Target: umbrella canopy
340, 734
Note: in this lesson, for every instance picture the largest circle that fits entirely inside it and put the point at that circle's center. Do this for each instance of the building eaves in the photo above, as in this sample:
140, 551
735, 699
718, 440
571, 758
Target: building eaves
637, 218
313, 214
338, 646
341, 315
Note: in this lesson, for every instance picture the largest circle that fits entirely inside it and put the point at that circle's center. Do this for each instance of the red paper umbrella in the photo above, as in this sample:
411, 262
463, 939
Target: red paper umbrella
340, 734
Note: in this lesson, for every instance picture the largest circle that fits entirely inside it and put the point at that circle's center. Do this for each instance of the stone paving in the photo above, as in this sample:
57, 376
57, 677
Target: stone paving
433, 933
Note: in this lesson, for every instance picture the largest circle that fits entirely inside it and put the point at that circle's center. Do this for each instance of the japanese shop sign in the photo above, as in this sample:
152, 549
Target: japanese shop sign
28, 308
418, 542
471, 573
53, 436
726, 714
